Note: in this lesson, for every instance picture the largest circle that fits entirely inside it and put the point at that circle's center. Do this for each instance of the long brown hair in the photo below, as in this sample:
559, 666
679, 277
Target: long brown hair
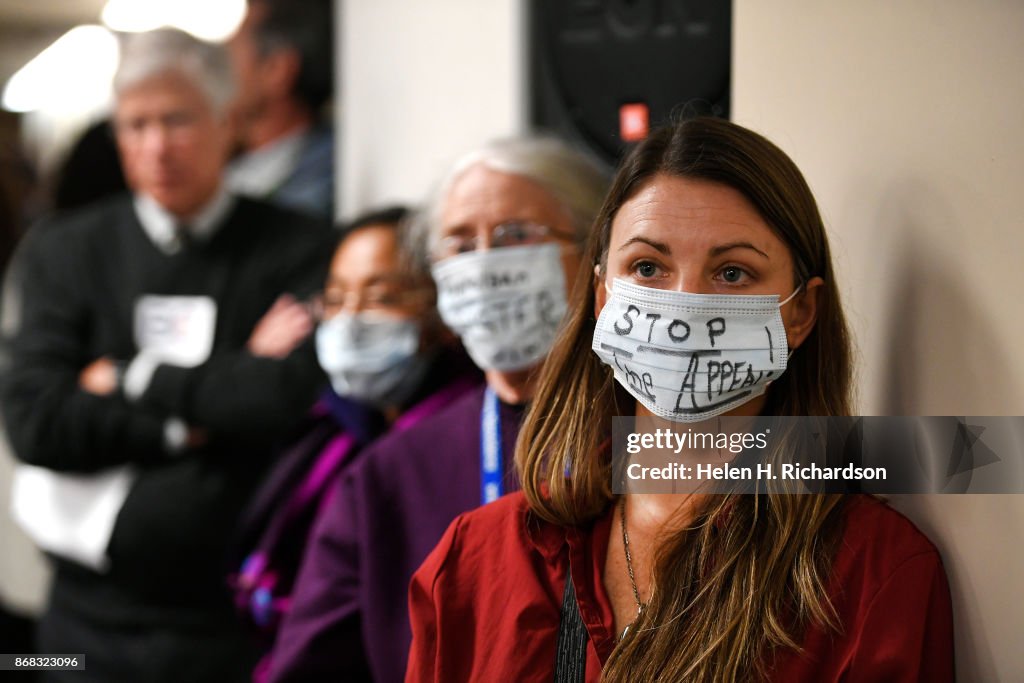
748, 575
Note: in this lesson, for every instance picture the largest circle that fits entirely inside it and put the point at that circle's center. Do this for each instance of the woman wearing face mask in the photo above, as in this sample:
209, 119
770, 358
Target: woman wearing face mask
390, 364
502, 238
709, 230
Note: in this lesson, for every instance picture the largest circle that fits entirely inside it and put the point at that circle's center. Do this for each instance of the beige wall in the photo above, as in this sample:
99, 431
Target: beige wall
907, 119
421, 83
24, 573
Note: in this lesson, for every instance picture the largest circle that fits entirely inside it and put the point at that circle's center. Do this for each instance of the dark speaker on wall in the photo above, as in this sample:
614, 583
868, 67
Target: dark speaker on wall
603, 72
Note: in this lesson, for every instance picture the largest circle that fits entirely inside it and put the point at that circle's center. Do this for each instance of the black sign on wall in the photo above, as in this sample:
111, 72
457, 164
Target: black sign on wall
602, 72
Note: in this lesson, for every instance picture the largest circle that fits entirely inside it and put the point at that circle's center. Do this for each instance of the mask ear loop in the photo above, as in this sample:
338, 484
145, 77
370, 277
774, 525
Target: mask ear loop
790, 297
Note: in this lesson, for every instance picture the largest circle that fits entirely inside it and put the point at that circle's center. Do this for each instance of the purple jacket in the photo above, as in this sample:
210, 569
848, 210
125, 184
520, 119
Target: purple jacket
349, 616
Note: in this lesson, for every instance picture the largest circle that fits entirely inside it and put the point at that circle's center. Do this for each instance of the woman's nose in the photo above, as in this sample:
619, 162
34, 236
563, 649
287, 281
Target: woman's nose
691, 280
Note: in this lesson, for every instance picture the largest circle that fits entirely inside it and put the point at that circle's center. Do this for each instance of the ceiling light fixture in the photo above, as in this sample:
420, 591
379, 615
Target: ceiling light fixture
75, 72
213, 20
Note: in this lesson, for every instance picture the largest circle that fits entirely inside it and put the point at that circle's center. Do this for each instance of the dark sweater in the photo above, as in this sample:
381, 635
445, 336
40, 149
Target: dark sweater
78, 280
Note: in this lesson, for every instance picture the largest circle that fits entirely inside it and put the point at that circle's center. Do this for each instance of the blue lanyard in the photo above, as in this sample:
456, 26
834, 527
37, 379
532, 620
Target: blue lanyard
490, 449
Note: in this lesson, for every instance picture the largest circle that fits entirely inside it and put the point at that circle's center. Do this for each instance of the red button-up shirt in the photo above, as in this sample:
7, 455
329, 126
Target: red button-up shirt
485, 604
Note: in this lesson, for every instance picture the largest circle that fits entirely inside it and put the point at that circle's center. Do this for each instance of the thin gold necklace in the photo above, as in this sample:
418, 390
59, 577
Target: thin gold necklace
629, 567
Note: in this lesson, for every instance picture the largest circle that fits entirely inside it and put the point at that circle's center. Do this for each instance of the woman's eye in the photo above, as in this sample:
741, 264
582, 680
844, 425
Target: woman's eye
732, 274
646, 269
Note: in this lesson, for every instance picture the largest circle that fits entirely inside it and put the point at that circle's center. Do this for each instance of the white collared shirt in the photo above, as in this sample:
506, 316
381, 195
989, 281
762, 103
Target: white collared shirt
260, 172
160, 224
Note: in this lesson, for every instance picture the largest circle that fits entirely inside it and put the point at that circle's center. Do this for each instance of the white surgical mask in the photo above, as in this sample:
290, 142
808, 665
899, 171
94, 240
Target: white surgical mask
370, 357
506, 304
688, 357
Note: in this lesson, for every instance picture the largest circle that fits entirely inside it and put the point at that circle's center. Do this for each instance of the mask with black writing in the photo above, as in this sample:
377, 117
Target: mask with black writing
370, 357
688, 357
506, 304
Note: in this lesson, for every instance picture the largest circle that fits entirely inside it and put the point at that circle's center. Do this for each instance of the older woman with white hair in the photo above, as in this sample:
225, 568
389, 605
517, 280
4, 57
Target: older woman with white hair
501, 236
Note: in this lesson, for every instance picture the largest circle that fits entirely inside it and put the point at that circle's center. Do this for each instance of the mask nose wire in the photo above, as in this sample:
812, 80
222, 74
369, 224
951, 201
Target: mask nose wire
781, 303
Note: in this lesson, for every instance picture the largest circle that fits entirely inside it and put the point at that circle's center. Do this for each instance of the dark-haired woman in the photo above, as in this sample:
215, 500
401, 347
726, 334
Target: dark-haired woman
391, 365
709, 224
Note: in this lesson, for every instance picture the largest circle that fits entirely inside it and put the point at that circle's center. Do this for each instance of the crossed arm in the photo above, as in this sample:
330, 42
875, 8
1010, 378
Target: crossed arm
63, 409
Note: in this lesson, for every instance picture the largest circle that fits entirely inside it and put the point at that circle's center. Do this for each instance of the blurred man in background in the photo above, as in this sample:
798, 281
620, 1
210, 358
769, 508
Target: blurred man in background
140, 393
283, 54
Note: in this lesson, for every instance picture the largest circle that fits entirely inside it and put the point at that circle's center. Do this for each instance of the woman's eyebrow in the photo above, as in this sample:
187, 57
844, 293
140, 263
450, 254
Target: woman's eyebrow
721, 249
660, 246
382, 279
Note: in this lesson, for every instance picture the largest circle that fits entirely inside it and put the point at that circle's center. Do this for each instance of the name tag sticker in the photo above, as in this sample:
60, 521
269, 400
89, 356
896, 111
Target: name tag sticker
176, 330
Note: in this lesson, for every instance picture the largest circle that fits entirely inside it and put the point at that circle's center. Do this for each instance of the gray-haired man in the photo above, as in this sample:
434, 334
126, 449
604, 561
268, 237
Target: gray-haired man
136, 395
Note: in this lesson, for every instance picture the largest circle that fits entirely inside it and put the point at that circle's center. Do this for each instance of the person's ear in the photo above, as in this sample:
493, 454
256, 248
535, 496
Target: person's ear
280, 70
801, 313
600, 293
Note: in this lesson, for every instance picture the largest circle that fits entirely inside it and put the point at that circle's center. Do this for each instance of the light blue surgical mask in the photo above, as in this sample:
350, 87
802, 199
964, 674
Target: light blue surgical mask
371, 357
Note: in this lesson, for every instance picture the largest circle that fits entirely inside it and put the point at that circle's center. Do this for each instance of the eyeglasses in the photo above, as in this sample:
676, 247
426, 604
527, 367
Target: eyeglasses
507, 234
329, 303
